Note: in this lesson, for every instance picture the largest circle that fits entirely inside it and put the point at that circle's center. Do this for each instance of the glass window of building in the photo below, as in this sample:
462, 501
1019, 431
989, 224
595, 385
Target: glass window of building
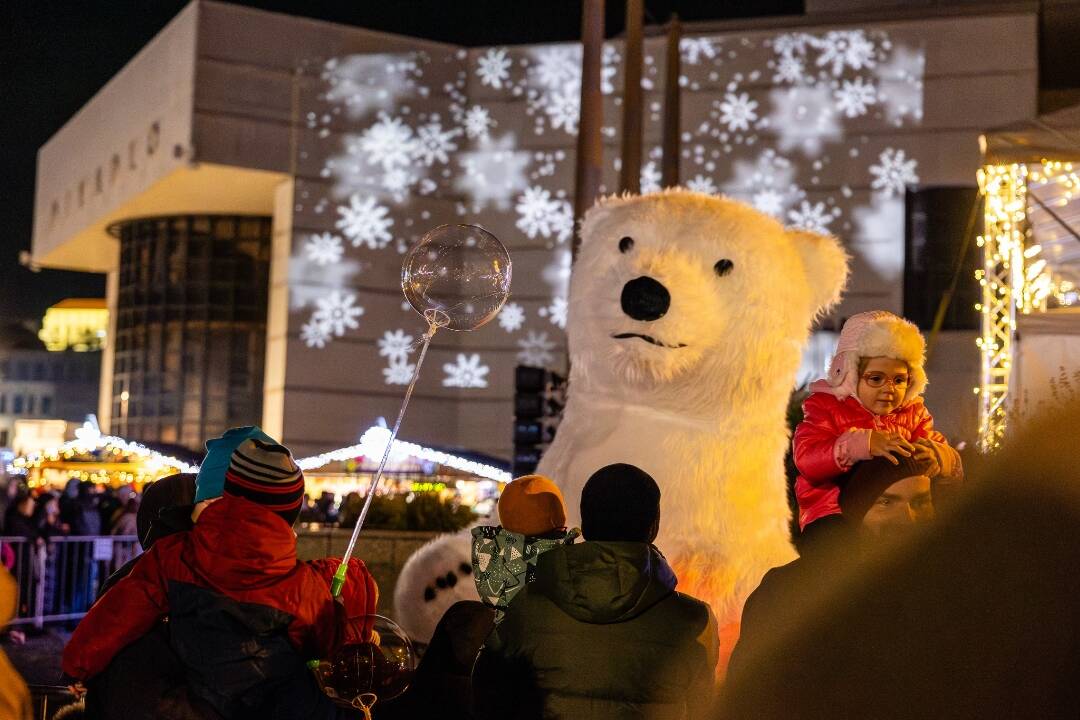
17, 405
191, 326
3, 403
46, 405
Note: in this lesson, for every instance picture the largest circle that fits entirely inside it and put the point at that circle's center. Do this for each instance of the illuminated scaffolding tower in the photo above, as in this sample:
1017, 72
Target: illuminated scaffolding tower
1004, 188
1014, 278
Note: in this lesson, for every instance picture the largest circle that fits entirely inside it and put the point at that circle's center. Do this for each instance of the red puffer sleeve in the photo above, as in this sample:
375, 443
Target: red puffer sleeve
123, 614
813, 446
923, 425
948, 458
360, 596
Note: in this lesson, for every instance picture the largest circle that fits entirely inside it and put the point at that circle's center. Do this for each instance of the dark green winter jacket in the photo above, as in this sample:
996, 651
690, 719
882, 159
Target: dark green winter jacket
600, 633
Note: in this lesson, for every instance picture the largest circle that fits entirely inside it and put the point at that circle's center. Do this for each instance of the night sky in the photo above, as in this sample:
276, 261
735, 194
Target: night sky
54, 56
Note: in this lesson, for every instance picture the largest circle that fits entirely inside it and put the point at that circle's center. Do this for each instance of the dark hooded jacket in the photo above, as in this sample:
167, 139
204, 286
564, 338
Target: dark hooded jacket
240, 606
600, 633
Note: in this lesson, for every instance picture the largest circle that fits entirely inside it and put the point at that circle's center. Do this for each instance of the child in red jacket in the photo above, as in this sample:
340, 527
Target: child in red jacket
870, 405
243, 612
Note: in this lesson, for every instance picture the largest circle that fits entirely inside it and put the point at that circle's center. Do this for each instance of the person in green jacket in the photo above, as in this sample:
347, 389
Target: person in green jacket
601, 632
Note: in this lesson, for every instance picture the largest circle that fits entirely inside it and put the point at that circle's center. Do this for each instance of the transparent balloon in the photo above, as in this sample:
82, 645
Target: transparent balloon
457, 276
362, 674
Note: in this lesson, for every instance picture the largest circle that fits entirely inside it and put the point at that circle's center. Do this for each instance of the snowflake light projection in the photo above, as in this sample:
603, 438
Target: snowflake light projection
541, 215
536, 350
511, 317
365, 222
466, 372
324, 249
493, 67
893, 172
396, 144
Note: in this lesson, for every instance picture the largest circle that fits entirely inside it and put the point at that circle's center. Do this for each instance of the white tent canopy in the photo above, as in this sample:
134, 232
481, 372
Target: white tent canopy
1046, 360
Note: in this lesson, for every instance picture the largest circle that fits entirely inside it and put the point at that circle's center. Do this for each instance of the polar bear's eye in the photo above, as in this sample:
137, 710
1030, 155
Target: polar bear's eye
625, 244
723, 267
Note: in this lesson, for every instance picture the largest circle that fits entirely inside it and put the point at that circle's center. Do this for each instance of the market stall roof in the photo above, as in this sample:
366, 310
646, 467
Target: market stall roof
105, 452
373, 444
1054, 136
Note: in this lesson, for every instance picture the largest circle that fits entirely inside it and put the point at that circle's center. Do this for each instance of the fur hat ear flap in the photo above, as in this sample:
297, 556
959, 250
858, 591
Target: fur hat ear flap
826, 266
844, 374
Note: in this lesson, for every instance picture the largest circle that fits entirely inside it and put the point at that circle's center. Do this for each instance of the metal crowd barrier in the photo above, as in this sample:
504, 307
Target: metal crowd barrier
59, 578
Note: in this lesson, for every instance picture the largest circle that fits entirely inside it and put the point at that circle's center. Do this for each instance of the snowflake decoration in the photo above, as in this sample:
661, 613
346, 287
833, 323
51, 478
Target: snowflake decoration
804, 118
324, 249
315, 334
790, 69
850, 48
493, 172
769, 201
556, 312
511, 317
737, 111
433, 144
563, 107
815, 218
398, 372
790, 44
395, 344
365, 222
541, 215
337, 312
493, 68
389, 143
703, 184
536, 350
477, 122
770, 179
609, 62
555, 68
853, 98
397, 182
650, 178
893, 173
694, 49
466, 372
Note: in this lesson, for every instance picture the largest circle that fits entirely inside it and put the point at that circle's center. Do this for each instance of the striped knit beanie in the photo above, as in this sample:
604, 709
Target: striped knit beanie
265, 473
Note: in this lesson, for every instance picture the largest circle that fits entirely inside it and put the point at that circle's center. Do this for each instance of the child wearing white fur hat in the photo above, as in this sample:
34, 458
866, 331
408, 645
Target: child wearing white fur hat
870, 405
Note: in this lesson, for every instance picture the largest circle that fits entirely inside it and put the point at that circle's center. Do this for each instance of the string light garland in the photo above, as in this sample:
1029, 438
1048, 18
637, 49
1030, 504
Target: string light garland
373, 444
1014, 277
109, 449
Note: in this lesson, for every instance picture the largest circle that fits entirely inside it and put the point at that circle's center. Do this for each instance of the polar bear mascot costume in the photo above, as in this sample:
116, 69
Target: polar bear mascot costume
688, 315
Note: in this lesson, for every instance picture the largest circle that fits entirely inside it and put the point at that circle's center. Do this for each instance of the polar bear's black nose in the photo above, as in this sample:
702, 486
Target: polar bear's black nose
645, 299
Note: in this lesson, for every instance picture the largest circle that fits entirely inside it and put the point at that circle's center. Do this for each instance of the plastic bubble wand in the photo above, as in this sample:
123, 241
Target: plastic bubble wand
457, 277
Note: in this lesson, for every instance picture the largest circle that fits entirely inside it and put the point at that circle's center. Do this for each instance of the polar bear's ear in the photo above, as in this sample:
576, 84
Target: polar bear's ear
826, 266
596, 217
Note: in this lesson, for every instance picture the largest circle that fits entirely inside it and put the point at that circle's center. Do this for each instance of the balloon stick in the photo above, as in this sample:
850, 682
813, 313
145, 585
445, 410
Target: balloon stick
436, 319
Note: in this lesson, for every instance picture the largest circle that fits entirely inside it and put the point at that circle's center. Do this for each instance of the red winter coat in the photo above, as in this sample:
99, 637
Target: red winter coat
237, 550
835, 434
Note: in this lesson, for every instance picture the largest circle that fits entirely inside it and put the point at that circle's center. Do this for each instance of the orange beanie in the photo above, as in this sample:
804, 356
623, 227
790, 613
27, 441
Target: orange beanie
532, 505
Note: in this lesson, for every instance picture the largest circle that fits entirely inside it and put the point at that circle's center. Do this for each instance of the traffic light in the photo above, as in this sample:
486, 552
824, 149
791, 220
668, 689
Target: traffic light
539, 398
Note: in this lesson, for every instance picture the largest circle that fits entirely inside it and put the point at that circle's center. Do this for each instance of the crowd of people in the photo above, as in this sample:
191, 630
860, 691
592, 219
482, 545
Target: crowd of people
900, 604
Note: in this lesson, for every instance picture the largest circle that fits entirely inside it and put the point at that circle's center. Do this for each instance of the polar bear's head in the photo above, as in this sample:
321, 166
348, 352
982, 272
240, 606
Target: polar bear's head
682, 287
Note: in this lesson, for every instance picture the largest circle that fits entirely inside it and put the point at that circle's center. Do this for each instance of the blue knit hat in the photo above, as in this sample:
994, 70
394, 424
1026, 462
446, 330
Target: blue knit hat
210, 482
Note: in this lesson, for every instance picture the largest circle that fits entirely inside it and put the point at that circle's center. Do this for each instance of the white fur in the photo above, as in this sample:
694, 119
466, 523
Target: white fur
444, 554
706, 420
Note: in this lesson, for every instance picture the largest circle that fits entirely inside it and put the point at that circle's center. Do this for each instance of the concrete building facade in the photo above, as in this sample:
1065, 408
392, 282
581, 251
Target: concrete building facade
355, 143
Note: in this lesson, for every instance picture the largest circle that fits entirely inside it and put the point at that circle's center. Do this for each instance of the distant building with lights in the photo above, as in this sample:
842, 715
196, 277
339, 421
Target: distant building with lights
42, 390
78, 324
249, 180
